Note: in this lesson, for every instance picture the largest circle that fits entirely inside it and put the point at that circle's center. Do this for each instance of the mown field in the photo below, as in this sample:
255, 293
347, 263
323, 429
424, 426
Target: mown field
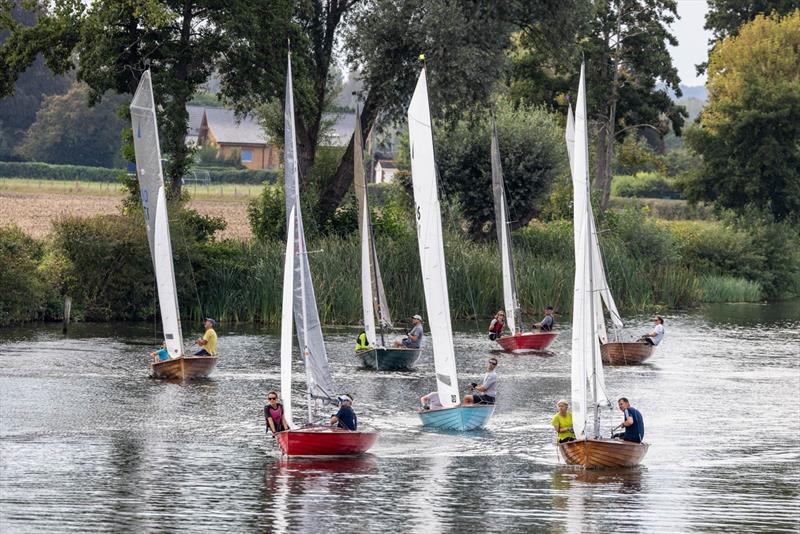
34, 204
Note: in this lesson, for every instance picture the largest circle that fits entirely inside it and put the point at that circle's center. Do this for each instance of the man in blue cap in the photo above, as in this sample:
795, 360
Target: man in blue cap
208, 343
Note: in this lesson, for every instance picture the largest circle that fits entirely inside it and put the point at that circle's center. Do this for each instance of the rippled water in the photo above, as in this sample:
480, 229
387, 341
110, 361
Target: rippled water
88, 442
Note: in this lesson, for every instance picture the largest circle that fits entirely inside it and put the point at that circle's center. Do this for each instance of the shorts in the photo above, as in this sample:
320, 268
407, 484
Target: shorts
492, 336
649, 341
203, 352
566, 440
482, 399
407, 343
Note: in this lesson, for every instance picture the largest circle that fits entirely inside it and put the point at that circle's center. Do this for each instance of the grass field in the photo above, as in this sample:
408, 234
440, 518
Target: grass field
34, 204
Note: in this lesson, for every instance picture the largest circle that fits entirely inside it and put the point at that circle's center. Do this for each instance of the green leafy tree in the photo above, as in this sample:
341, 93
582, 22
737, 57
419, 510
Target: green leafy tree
111, 43
21, 285
749, 134
68, 131
625, 46
533, 157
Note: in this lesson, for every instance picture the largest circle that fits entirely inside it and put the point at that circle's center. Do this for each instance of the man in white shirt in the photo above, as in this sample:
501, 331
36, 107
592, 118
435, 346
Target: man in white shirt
655, 337
486, 392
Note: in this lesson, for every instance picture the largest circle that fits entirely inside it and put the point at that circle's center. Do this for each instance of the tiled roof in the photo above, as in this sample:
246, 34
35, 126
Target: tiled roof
226, 129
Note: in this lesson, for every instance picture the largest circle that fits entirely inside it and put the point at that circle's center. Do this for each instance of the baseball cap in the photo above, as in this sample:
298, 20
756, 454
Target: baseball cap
212, 321
417, 317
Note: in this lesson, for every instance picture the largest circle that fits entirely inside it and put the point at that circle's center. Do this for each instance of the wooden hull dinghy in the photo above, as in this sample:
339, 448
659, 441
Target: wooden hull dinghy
184, 367
325, 441
602, 453
527, 341
385, 359
461, 418
617, 353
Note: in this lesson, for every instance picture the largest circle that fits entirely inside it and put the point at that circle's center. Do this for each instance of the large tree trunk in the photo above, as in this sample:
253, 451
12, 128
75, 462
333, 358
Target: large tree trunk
334, 191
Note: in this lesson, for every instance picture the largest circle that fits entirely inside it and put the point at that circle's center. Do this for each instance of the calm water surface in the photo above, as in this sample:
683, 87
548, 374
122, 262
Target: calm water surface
89, 443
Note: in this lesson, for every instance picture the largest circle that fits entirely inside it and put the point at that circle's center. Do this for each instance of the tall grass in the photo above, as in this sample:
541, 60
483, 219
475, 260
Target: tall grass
728, 289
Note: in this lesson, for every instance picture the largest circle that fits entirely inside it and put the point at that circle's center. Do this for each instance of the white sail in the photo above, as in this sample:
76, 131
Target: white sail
602, 285
286, 323
306, 317
511, 304
588, 381
154, 203
366, 280
430, 241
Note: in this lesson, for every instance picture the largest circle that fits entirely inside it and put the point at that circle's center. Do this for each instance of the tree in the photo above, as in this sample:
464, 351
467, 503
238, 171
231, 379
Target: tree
624, 44
67, 130
464, 45
533, 157
18, 112
111, 43
749, 134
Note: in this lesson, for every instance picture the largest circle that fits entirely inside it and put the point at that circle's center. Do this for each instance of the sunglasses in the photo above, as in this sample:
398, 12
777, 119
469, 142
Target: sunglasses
272, 398
492, 362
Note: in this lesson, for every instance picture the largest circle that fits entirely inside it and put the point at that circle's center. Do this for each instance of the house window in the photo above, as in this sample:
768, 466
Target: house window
247, 156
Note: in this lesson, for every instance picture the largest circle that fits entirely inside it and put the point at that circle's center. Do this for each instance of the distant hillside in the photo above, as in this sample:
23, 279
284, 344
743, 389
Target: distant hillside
689, 92
693, 106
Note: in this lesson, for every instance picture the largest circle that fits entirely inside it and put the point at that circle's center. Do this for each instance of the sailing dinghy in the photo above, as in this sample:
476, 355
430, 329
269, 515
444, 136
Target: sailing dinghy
612, 352
154, 201
300, 307
590, 450
373, 296
452, 415
518, 340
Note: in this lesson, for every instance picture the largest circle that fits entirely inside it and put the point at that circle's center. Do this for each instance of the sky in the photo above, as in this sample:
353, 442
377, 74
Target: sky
692, 40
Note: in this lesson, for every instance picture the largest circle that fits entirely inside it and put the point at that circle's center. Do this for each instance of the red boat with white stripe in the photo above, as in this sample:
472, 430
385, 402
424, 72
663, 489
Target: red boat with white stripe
527, 341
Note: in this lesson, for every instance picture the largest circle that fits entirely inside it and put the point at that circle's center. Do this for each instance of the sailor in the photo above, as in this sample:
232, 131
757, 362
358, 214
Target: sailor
362, 343
346, 417
546, 325
562, 422
273, 413
486, 393
633, 422
497, 325
654, 337
208, 343
414, 337
430, 401
161, 354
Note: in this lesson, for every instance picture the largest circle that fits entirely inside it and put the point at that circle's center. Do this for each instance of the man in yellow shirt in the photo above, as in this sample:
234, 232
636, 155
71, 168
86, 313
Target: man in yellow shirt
208, 343
562, 423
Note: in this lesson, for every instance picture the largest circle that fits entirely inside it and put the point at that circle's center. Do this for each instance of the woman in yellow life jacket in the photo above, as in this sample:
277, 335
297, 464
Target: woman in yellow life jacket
362, 343
562, 423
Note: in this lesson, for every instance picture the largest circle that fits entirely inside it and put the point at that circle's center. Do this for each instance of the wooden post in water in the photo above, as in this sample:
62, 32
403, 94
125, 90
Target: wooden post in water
67, 311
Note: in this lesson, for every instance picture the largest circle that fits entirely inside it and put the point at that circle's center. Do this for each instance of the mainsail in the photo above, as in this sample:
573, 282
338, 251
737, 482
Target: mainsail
154, 202
306, 317
588, 381
513, 315
431, 244
602, 288
373, 296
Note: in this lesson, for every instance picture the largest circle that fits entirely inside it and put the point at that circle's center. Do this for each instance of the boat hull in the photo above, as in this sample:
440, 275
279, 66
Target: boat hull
389, 359
602, 453
614, 353
325, 441
461, 418
184, 367
527, 341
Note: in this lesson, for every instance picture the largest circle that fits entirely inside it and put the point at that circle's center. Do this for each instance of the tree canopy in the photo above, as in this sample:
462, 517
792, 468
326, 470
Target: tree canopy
749, 134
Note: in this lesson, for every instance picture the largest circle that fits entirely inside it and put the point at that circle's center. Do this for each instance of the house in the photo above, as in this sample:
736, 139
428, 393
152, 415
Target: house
385, 170
243, 139
195, 120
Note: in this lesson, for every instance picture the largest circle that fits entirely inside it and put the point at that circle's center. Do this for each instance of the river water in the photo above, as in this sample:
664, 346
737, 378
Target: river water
89, 443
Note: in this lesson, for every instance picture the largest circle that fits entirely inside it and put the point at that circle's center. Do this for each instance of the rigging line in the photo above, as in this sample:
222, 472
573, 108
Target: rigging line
191, 272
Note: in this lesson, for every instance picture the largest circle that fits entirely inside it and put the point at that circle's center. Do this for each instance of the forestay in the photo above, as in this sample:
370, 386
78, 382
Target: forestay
588, 380
513, 315
306, 317
154, 204
373, 296
431, 244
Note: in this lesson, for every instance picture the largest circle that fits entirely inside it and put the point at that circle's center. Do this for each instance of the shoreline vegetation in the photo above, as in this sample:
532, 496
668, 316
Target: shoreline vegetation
103, 263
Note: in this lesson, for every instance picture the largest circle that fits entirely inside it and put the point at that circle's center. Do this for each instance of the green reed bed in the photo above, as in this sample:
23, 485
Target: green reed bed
728, 289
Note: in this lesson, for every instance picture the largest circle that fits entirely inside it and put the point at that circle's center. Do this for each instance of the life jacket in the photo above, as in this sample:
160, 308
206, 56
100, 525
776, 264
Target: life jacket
269, 413
362, 343
496, 326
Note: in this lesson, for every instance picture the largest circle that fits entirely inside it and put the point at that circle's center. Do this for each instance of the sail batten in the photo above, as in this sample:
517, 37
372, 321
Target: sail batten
306, 316
431, 243
510, 301
154, 203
